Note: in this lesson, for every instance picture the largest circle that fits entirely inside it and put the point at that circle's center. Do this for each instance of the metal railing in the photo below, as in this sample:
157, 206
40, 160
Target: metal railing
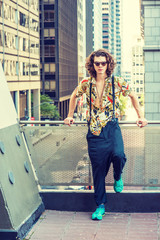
60, 158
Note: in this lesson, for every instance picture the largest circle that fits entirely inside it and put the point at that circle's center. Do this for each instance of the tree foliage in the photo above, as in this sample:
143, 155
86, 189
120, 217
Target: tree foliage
48, 109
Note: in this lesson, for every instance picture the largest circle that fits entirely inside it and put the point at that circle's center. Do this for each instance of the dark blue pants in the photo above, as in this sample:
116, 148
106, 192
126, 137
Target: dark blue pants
103, 150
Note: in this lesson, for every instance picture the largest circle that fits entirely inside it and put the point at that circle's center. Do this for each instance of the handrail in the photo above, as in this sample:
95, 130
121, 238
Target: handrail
141, 147
78, 122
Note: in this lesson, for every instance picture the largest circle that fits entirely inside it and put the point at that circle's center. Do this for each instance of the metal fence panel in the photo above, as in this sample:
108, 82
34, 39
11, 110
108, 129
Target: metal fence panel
59, 155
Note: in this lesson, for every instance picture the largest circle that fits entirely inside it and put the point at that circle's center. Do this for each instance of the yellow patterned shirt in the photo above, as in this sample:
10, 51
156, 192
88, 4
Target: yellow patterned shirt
101, 115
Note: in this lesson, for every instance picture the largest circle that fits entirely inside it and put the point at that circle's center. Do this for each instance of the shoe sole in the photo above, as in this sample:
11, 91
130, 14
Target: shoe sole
98, 218
118, 191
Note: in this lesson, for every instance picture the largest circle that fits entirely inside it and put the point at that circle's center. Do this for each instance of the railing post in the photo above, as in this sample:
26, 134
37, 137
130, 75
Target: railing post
90, 176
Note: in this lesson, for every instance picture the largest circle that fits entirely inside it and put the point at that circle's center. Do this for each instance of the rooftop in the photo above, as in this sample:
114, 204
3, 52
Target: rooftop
133, 214
60, 225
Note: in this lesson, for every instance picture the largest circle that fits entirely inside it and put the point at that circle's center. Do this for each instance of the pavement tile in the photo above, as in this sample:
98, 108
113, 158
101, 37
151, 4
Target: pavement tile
57, 225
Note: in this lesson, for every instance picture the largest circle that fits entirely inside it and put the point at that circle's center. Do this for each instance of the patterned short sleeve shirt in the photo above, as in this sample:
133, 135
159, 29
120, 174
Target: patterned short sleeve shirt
101, 115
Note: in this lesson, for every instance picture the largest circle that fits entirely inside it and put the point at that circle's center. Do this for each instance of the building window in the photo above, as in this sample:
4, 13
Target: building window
33, 25
1, 38
52, 68
49, 33
33, 4
1, 7
49, 68
6, 67
34, 69
49, 51
16, 39
10, 40
34, 47
47, 85
25, 45
53, 85
46, 68
25, 69
13, 68
49, 16
23, 20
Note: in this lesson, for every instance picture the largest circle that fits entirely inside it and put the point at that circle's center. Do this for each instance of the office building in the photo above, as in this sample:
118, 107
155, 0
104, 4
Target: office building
59, 51
138, 68
93, 25
81, 39
114, 33
19, 53
127, 76
105, 23
152, 58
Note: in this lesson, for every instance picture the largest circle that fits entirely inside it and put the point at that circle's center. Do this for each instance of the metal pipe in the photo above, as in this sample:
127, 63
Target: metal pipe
79, 122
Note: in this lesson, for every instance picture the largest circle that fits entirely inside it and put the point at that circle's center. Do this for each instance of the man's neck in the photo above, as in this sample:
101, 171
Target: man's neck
101, 77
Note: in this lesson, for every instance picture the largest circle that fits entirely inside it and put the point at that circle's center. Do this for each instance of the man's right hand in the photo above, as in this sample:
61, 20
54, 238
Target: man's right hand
68, 121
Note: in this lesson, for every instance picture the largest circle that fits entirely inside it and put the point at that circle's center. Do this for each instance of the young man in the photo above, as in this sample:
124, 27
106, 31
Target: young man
105, 143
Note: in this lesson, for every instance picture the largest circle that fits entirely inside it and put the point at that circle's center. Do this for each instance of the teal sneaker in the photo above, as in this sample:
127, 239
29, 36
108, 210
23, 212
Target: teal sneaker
118, 185
99, 213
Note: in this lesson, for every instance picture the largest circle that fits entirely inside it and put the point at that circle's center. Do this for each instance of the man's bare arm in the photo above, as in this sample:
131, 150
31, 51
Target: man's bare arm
141, 122
72, 105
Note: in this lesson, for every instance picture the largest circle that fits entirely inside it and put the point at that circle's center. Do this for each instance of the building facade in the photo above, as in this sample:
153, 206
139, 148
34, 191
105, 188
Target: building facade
19, 53
59, 51
93, 25
105, 23
81, 38
152, 58
115, 33
127, 76
138, 68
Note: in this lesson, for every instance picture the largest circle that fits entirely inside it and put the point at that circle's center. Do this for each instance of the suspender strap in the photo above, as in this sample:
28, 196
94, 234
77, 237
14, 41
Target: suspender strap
113, 95
90, 91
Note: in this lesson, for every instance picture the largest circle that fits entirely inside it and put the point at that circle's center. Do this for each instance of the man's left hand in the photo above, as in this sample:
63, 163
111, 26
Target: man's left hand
141, 122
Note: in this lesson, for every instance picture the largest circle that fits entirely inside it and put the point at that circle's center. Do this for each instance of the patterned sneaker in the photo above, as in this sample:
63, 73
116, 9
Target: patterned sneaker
99, 213
118, 185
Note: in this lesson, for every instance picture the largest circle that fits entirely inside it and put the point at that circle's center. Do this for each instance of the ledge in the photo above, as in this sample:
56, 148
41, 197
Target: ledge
127, 201
151, 2
151, 48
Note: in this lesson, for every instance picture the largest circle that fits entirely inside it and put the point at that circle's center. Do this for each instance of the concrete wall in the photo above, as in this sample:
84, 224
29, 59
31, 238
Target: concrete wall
152, 58
20, 202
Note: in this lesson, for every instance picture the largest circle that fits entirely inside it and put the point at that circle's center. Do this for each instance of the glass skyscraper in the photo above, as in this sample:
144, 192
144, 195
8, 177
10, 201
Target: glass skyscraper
105, 23
114, 33
93, 25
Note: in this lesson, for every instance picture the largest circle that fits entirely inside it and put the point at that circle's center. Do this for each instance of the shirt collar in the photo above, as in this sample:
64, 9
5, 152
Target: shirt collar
107, 80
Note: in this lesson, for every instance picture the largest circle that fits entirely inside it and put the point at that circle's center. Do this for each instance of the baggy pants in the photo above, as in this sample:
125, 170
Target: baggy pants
103, 150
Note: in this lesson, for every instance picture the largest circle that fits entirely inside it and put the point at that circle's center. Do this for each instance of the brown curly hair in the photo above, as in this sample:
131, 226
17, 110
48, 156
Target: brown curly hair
109, 59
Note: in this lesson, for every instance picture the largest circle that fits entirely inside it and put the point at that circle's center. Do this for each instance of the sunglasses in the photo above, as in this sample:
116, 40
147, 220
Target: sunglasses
102, 63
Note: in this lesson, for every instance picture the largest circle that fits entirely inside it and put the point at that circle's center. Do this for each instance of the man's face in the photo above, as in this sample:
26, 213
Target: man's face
100, 64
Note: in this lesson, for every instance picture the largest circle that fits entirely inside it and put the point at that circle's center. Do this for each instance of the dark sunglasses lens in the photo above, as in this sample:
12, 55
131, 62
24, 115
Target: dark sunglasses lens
98, 63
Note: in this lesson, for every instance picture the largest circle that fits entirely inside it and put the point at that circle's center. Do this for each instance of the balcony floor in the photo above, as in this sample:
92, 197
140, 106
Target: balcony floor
58, 225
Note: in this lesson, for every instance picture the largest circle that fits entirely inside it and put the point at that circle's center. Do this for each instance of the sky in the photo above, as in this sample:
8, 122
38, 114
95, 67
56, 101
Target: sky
131, 29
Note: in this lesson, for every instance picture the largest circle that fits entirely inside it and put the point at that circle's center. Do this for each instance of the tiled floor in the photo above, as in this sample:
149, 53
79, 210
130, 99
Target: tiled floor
57, 225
